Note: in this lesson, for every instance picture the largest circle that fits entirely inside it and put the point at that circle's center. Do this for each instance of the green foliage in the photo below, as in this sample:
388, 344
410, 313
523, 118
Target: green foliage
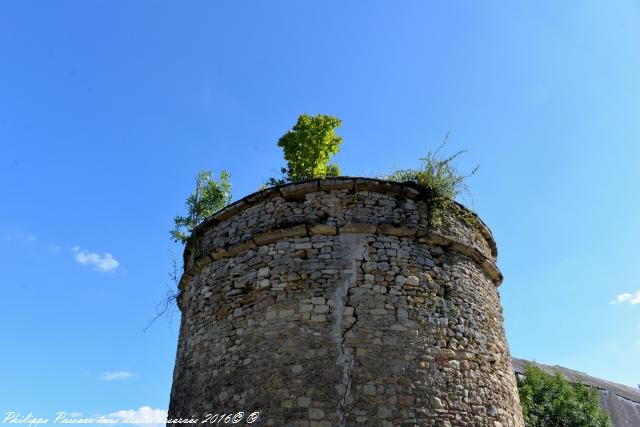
208, 197
552, 401
308, 147
439, 176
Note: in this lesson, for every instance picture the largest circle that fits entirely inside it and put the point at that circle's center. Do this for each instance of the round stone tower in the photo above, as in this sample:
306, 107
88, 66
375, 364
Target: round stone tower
338, 302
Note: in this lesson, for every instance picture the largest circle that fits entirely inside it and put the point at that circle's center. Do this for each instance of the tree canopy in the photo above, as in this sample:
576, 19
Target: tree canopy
308, 148
208, 197
552, 401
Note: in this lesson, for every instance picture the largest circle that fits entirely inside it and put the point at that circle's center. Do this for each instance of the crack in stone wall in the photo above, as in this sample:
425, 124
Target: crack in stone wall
354, 250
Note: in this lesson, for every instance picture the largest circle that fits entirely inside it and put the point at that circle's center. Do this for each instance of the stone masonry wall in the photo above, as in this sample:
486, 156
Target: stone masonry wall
333, 303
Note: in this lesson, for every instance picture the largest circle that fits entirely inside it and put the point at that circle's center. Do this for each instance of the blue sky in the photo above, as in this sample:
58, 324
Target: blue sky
110, 108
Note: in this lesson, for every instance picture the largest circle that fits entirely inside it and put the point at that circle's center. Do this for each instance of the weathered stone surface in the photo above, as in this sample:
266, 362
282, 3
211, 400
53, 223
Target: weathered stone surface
274, 235
385, 323
323, 229
332, 184
392, 230
357, 227
298, 191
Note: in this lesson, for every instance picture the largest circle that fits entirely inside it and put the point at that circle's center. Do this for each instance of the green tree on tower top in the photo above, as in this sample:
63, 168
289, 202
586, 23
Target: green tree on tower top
308, 148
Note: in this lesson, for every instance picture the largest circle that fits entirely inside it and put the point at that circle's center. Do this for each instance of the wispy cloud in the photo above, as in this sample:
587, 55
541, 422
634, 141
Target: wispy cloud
631, 298
104, 262
145, 416
21, 237
116, 376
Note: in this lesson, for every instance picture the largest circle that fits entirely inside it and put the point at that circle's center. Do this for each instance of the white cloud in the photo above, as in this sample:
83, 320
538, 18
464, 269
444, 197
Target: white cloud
631, 298
104, 262
20, 236
75, 414
116, 376
145, 416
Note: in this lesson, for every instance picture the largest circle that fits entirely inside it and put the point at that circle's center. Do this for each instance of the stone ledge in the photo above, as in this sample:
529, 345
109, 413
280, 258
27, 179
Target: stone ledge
426, 237
279, 234
298, 191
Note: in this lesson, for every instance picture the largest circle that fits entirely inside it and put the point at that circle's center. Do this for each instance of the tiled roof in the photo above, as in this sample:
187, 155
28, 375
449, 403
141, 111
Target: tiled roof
622, 402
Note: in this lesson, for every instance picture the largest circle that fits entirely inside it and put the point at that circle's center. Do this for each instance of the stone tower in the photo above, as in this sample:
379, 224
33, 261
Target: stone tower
336, 302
